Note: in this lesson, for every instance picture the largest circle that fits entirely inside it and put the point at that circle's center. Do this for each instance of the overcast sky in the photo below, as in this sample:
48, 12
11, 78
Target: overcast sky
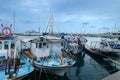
74, 16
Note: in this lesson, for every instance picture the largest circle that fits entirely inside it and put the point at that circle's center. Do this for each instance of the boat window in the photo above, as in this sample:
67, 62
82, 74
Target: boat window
41, 39
0, 45
103, 43
44, 44
36, 45
111, 43
6, 44
12, 45
40, 45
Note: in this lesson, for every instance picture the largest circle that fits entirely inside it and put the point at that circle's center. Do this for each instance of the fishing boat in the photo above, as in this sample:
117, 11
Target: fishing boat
37, 50
12, 65
72, 46
103, 48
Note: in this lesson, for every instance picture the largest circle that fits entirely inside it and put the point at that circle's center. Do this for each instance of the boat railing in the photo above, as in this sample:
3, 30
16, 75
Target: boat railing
100, 45
115, 44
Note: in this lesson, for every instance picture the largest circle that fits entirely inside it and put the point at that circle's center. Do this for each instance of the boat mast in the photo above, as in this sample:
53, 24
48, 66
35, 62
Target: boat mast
50, 24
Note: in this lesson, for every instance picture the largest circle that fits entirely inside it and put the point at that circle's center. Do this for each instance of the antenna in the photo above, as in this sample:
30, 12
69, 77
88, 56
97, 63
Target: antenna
14, 21
39, 30
1, 25
11, 25
115, 28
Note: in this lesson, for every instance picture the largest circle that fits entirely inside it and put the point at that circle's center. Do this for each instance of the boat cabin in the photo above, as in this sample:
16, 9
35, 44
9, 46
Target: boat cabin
38, 46
7, 44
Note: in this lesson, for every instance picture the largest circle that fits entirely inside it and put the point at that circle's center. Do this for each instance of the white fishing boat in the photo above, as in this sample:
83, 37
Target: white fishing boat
104, 48
12, 66
37, 50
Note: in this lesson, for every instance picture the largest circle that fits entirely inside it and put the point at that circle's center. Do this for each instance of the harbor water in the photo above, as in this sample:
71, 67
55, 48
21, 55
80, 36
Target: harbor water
86, 68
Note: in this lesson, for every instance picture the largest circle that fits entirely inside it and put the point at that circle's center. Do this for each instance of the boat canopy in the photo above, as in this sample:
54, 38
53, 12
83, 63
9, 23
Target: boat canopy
27, 40
40, 37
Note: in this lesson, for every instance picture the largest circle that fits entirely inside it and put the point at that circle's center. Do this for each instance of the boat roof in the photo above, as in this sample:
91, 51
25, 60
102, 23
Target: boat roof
45, 37
27, 39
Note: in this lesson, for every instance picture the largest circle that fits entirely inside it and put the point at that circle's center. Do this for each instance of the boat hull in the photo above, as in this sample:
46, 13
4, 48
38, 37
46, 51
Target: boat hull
59, 71
23, 71
102, 54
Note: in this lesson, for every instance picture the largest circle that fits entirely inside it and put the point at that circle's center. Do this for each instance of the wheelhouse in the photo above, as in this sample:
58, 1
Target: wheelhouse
7, 44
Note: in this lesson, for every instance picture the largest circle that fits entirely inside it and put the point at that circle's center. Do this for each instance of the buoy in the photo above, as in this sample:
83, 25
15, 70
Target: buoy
6, 31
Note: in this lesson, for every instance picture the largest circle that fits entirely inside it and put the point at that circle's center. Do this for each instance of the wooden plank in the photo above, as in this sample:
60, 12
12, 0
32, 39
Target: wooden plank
30, 55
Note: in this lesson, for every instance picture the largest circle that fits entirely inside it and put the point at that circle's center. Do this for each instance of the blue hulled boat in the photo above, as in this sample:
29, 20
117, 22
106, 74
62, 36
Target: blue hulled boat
12, 65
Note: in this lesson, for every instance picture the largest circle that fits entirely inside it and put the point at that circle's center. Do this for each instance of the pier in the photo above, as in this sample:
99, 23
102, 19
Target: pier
115, 76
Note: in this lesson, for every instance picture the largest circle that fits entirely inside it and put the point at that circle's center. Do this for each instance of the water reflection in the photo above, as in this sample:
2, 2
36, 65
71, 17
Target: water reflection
79, 63
105, 64
74, 71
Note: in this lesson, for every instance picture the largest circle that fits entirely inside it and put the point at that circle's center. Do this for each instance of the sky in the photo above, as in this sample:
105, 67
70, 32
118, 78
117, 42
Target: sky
71, 16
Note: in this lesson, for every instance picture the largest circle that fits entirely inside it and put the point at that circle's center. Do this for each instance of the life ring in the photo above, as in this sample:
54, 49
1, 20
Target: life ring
6, 31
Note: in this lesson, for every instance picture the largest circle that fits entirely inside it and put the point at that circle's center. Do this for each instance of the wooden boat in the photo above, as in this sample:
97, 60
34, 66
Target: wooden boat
42, 58
16, 73
12, 66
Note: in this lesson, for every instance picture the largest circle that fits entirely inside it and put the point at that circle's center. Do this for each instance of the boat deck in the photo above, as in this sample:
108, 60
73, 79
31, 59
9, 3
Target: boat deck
30, 55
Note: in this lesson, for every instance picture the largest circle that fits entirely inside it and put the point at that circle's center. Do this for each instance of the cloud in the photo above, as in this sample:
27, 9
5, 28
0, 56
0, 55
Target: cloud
71, 12
81, 17
66, 18
89, 18
1, 20
34, 3
28, 22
